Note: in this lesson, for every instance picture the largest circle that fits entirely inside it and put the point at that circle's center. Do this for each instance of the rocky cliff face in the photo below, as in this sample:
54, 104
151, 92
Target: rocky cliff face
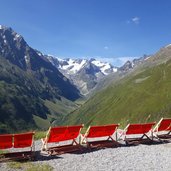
14, 48
27, 80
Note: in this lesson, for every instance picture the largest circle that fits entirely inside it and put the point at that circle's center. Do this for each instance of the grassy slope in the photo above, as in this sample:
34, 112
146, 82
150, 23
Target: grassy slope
145, 96
58, 109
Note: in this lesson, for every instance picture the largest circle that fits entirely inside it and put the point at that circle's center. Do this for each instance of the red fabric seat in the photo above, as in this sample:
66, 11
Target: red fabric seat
163, 129
6, 141
59, 134
17, 141
56, 134
139, 128
23, 140
101, 131
72, 132
95, 132
164, 125
138, 133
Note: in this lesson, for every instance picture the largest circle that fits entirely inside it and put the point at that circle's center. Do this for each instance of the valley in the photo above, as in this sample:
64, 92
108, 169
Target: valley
43, 90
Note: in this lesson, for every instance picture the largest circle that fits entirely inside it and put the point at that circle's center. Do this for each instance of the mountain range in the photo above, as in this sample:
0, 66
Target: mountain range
38, 90
141, 95
83, 73
88, 74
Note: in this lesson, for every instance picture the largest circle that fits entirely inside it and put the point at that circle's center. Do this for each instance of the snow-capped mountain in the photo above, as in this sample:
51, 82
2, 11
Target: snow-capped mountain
84, 73
128, 65
73, 66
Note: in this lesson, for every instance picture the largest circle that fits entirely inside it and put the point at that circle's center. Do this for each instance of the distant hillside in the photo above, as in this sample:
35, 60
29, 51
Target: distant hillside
142, 95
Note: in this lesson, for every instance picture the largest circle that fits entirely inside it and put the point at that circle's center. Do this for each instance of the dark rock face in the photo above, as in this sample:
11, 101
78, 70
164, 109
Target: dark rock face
127, 66
26, 79
14, 48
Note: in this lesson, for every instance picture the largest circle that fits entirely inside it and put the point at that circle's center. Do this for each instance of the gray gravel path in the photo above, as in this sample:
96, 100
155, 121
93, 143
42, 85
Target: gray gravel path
138, 158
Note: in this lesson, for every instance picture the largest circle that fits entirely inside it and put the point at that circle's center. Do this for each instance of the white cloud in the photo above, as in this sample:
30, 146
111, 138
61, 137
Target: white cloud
106, 48
134, 20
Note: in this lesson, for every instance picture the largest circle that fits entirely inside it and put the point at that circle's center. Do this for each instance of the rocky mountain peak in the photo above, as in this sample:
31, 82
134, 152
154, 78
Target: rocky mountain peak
127, 66
14, 48
10, 36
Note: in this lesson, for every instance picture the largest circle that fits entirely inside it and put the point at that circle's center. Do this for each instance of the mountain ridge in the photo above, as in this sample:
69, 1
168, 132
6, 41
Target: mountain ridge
87, 74
30, 86
34, 90
18, 52
141, 95
84, 73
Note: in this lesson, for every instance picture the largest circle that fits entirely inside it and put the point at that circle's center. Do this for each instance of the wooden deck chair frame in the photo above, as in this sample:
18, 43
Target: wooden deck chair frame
166, 128
144, 138
21, 155
109, 142
60, 149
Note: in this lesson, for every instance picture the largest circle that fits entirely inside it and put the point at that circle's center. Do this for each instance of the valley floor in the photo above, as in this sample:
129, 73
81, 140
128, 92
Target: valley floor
141, 157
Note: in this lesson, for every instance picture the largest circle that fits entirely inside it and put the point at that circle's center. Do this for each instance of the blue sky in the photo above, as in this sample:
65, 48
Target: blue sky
111, 30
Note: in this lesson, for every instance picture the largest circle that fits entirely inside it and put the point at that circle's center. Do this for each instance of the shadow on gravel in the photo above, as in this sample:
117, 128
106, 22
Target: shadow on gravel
45, 157
161, 142
149, 144
42, 157
88, 150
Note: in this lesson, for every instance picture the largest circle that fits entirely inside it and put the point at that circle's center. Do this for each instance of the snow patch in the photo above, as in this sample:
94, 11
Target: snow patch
147, 58
17, 35
104, 67
5, 41
26, 59
115, 69
168, 45
1, 27
59, 59
40, 54
73, 66
99, 63
52, 56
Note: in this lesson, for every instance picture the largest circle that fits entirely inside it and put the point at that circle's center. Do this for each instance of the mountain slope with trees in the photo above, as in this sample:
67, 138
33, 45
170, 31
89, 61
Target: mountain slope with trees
30, 86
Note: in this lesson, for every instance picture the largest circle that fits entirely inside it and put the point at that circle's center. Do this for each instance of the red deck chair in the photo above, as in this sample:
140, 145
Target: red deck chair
17, 141
163, 129
62, 134
6, 141
25, 140
138, 133
96, 132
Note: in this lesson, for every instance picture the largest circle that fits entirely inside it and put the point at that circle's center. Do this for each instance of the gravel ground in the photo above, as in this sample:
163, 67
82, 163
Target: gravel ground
141, 157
